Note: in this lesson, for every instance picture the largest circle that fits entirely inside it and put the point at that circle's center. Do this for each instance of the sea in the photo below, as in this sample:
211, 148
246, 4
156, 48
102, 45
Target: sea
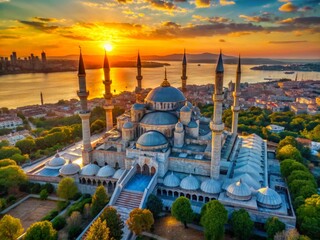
18, 90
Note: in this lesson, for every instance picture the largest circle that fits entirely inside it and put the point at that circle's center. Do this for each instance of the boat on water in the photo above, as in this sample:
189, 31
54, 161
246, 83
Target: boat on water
289, 72
271, 79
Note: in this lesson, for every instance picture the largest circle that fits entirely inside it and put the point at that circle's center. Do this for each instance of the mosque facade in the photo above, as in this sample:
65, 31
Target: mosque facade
164, 146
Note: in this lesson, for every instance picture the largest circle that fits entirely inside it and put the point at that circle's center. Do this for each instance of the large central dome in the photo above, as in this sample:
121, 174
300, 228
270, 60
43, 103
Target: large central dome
165, 97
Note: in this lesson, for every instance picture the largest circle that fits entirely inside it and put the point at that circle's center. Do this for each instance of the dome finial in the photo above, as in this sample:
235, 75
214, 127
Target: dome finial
165, 82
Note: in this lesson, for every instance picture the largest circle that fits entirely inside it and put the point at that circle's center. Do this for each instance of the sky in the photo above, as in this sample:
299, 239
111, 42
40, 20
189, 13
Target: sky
252, 28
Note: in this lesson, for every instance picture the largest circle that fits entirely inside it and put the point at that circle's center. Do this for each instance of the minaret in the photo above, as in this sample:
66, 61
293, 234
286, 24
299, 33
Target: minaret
84, 112
236, 94
216, 124
184, 72
139, 76
107, 95
41, 98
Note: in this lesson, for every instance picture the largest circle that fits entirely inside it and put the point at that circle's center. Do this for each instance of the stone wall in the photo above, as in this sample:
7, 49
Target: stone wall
189, 166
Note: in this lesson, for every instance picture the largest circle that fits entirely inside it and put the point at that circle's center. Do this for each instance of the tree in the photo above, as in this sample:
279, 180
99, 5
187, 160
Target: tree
74, 220
115, 224
41, 230
288, 140
4, 143
67, 188
11, 176
26, 145
302, 188
99, 200
308, 217
7, 162
274, 225
242, 224
98, 231
44, 194
10, 228
182, 211
154, 204
7, 152
289, 152
97, 126
301, 175
213, 218
140, 220
289, 165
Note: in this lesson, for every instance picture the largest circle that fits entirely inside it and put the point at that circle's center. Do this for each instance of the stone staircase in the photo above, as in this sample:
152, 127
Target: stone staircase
129, 199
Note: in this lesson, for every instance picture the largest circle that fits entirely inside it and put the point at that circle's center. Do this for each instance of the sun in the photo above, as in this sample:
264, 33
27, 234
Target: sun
107, 47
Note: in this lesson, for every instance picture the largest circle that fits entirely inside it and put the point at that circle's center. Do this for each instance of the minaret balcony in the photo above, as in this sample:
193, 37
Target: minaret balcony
107, 82
235, 108
218, 97
236, 94
83, 94
216, 127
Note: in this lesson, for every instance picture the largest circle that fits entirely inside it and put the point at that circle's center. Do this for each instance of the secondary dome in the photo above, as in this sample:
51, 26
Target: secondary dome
190, 183
159, 118
57, 161
128, 125
165, 94
179, 127
192, 124
185, 108
268, 198
152, 140
211, 186
118, 174
106, 171
249, 180
239, 191
69, 169
90, 170
171, 180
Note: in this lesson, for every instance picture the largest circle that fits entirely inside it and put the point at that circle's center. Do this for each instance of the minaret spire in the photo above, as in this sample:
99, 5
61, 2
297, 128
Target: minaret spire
236, 94
139, 78
84, 112
216, 124
184, 72
107, 93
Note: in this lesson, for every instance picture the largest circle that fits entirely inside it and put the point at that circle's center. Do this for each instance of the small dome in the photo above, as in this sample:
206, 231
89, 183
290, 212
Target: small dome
211, 186
239, 191
185, 108
268, 198
118, 174
171, 180
192, 124
179, 127
127, 125
57, 161
159, 118
106, 171
249, 180
69, 169
90, 170
165, 94
189, 104
190, 183
152, 139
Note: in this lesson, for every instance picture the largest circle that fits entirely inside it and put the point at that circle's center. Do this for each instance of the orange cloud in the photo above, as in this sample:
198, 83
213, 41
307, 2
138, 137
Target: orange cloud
202, 3
226, 2
288, 7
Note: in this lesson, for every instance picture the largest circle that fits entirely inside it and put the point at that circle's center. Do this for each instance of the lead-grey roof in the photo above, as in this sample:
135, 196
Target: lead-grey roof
138, 106
269, 197
56, 161
239, 189
106, 171
211, 186
69, 169
190, 183
90, 169
152, 138
171, 180
128, 125
165, 94
159, 118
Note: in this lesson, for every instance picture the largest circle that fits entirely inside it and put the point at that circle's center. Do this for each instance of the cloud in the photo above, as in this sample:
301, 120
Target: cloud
202, 3
42, 19
162, 5
222, 40
286, 42
226, 2
305, 9
302, 21
171, 24
211, 19
288, 7
77, 37
265, 18
39, 25
9, 37
4, 1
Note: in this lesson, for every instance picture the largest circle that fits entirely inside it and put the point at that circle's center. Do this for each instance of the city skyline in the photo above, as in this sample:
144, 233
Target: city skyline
274, 29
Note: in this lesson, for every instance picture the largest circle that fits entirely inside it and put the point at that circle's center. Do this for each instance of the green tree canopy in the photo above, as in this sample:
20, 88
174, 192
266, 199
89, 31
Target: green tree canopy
10, 228
98, 231
242, 224
67, 188
182, 211
114, 221
97, 126
288, 140
140, 220
40, 231
7, 152
154, 204
26, 145
301, 175
274, 225
99, 200
289, 165
4, 143
289, 152
6, 162
308, 217
213, 218
11, 176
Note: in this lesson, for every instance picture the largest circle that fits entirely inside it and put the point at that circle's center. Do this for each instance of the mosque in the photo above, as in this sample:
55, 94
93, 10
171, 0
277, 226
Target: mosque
163, 146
